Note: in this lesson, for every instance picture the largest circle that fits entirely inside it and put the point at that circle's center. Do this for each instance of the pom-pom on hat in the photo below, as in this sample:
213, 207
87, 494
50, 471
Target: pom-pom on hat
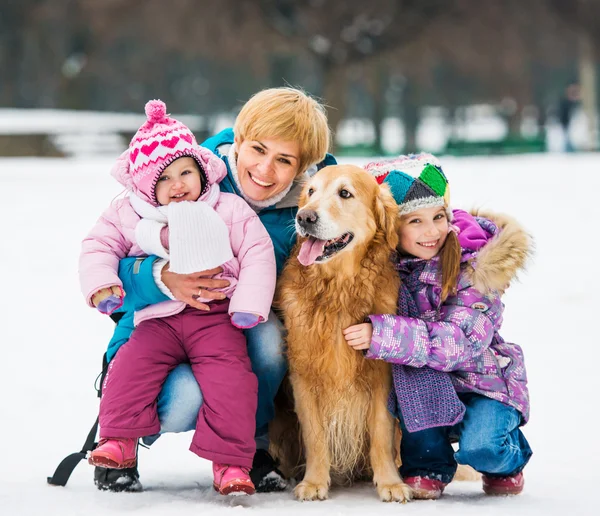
415, 180
159, 142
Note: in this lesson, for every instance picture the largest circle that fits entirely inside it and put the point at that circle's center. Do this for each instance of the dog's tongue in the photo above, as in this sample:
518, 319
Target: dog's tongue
310, 250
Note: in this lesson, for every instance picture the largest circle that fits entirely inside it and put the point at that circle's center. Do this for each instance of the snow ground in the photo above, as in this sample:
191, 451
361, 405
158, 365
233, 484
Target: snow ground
52, 346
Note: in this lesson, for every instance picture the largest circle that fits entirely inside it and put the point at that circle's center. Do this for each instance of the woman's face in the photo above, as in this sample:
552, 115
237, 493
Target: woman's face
266, 167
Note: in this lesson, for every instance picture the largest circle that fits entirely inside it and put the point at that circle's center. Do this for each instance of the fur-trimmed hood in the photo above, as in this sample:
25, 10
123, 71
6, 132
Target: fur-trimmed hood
499, 261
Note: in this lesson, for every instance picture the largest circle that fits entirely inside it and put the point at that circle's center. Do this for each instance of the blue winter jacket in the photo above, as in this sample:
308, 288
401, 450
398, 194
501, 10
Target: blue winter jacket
136, 273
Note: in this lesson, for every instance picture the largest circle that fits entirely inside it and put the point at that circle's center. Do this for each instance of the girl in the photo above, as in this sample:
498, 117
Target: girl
454, 376
173, 181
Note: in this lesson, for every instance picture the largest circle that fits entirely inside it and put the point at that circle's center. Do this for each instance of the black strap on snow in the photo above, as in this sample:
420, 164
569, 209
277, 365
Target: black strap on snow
70, 462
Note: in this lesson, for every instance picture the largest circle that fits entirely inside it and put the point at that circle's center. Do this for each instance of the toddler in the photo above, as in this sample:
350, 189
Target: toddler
175, 210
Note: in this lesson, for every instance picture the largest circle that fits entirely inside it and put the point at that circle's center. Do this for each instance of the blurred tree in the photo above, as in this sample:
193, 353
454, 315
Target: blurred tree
36, 39
209, 57
584, 17
14, 17
340, 34
501, 53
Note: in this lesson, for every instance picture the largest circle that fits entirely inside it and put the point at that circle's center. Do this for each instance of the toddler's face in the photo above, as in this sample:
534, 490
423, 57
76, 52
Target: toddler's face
423, 232
180, 181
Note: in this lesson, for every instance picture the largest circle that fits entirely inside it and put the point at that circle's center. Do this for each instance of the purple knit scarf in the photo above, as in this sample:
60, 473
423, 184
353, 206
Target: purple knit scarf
426, 397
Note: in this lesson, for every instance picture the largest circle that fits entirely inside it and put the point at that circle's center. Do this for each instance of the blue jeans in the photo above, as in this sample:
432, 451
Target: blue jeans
489, 440
180, 398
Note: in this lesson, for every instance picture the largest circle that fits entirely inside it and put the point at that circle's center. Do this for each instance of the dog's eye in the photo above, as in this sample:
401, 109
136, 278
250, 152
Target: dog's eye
345, 194
311, 191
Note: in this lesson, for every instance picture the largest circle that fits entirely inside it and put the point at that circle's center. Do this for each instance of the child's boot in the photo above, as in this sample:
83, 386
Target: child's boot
425, 488
509, 485
115, 453
232, 480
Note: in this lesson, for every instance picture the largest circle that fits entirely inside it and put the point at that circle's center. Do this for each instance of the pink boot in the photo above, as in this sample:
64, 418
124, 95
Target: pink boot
115, 453
425, 488
232, 480
511, 485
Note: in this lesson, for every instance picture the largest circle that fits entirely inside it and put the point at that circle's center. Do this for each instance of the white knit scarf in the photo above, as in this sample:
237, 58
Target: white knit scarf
198, 236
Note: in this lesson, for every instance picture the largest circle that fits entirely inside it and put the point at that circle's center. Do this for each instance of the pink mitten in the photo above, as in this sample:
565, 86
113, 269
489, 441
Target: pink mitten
471, 235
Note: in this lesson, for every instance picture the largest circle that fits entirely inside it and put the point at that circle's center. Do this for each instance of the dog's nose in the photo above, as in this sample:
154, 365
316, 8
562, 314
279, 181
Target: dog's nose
307, 217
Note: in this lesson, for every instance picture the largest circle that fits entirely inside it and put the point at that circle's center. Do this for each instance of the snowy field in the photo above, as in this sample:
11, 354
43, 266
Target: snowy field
52, 346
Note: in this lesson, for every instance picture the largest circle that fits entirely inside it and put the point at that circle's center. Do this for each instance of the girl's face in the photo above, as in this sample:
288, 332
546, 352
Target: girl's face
266, 167
180, 181
423, 232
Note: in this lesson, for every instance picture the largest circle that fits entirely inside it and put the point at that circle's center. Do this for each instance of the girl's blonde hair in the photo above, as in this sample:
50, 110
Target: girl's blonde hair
450, 256
286, 114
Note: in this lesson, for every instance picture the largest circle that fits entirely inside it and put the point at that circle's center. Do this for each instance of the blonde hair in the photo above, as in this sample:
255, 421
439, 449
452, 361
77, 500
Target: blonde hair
450, 256
286, 114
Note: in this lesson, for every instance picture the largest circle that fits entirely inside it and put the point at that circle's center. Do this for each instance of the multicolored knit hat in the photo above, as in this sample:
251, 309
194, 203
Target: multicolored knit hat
415, 180
159, 142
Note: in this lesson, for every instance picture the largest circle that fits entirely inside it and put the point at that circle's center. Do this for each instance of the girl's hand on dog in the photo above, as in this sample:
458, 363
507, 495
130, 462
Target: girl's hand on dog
359, 336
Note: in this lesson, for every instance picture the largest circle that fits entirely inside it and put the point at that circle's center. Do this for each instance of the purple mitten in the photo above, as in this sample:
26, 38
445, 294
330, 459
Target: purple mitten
110, 304
244, 320
471, 235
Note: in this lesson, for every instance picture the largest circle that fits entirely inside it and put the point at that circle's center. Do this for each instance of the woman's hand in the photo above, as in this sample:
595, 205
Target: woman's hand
359, 336
189, 287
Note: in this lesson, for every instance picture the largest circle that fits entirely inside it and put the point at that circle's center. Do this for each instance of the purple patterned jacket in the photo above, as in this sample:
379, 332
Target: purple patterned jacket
461, 335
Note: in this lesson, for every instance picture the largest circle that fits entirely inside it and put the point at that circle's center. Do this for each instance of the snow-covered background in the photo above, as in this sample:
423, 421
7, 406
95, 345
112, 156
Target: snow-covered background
82, 133
52, 346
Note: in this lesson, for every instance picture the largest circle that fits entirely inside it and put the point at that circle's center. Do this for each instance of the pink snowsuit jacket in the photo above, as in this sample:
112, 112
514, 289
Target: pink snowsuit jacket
252, 271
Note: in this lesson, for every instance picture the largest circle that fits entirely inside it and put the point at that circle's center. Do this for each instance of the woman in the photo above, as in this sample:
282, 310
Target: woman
279, 138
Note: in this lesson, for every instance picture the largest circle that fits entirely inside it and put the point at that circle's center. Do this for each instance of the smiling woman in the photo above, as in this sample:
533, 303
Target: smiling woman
267, 168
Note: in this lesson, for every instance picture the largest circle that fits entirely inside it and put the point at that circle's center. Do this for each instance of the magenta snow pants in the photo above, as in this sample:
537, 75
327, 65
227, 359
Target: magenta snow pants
219, 359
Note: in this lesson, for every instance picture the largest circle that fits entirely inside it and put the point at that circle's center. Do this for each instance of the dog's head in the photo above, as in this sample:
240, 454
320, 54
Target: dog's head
342, 207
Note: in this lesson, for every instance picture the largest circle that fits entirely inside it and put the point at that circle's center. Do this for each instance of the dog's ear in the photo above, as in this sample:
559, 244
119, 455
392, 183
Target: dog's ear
386, 213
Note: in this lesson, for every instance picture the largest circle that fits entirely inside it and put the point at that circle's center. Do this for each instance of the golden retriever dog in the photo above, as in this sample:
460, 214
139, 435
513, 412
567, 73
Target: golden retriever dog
339, 272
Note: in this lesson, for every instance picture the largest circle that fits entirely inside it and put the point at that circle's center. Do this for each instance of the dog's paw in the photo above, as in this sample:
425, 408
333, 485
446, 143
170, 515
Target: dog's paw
466, 473
399, 492
309, 491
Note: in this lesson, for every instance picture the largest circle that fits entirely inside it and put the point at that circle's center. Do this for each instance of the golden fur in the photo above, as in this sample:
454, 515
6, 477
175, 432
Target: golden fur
339, 397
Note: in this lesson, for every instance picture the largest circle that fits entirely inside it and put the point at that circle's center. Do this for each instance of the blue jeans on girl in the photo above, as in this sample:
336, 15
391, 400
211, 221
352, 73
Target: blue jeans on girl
489, 440
180, 398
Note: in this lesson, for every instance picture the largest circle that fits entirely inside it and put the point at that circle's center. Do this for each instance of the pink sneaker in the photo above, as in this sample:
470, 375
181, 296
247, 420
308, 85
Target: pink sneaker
425, 488
511, 485
232, 480
115, 453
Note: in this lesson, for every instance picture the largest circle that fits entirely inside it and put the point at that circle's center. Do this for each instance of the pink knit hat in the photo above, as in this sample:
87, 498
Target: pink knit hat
159, 142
